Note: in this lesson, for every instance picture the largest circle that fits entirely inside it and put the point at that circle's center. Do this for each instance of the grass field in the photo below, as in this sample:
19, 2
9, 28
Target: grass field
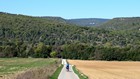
26, 66
108, 69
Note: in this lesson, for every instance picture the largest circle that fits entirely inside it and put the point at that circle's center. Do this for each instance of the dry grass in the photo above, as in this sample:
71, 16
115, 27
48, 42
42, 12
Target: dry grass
108, 69
39, 73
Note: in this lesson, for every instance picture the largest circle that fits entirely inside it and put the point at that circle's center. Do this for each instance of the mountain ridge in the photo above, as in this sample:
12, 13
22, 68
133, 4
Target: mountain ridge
79, 21
88, 21
122, 23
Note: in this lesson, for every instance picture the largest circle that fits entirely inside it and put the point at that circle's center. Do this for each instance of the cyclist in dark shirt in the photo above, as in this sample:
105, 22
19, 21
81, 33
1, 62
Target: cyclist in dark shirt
67, 67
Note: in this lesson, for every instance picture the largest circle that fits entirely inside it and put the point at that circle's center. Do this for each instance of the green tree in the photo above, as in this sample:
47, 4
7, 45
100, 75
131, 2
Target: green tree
53, 54
39, 50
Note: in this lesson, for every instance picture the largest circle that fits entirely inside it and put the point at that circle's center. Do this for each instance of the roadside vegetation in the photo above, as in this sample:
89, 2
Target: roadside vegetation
57, 72
29, 68
80, 75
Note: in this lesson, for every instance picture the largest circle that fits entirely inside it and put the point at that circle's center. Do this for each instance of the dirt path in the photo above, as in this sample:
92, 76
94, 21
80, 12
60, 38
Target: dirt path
67, 74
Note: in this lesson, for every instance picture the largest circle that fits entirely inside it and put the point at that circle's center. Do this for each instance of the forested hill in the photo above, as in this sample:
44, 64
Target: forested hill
35, 29
88, 21
131, 23
26, 36
29, 29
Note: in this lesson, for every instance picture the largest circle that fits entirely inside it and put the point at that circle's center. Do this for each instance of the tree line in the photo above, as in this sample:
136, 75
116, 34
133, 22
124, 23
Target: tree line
70, 51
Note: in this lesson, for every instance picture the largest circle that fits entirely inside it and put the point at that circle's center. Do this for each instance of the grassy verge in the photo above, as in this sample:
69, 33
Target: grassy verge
80, 75
56, 73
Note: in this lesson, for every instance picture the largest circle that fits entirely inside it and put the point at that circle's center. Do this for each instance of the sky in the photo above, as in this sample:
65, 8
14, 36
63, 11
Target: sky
70, 9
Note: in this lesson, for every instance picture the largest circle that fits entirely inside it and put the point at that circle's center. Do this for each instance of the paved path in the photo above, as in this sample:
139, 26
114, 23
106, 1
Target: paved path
64, 74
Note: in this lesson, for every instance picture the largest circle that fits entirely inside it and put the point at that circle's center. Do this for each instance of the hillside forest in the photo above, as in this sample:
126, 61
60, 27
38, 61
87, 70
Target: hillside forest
46, 37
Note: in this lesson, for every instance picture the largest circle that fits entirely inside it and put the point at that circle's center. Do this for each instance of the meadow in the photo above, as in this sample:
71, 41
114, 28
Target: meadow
16, 68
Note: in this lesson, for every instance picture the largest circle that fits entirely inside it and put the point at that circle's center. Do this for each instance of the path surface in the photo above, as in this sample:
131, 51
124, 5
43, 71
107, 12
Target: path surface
67, 74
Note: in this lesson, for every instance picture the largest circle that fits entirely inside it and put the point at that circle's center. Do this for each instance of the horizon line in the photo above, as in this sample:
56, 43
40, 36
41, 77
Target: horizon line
69, 18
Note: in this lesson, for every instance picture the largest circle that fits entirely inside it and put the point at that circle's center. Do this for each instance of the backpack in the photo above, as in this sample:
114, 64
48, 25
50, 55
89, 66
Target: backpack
67, 66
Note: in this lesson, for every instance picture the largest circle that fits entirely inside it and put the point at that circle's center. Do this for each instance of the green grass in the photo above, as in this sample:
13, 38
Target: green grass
80, 75
12, 65
56, 73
